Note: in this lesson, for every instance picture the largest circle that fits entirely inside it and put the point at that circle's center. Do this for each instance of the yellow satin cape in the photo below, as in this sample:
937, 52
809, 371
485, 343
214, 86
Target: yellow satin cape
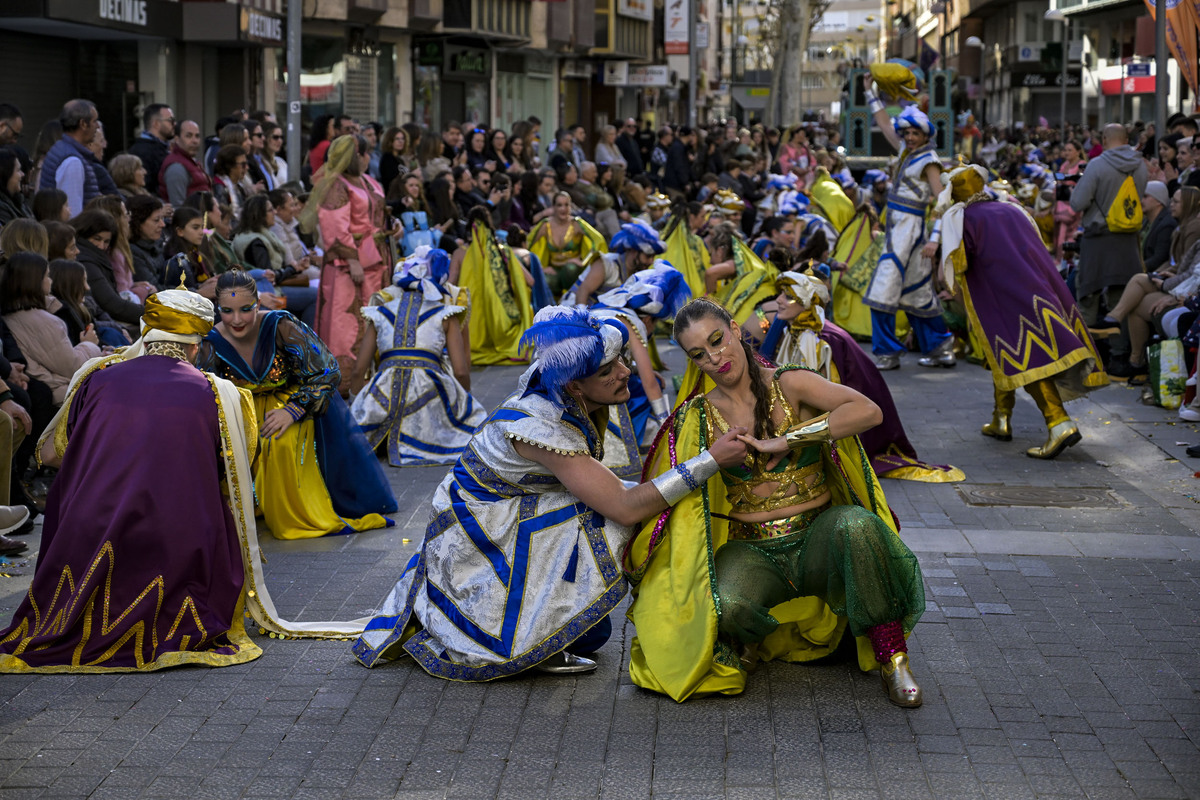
502, 308
686, 252
670, 569
754, 283
830, 200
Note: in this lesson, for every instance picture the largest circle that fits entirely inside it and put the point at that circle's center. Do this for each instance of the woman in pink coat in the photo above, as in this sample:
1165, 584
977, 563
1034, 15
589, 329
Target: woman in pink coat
347, 206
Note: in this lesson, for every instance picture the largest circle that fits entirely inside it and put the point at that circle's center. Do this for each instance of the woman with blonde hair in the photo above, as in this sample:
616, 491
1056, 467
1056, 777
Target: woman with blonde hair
24, 236
129, 174
347, 205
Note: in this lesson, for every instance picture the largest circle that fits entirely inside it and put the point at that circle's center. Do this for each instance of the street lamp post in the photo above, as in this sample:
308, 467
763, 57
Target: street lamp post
975, 41
1055, 15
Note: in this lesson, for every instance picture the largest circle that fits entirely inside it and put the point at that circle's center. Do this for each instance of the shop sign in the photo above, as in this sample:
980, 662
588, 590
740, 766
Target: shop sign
131, 12
650, 75
429, 53
1043, 80
616, 73
677, 24
637, 9
139, 16
468, 62
259, 27
1139, 84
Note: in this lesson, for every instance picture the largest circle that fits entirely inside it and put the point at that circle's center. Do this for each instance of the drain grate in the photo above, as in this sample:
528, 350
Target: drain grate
999, 494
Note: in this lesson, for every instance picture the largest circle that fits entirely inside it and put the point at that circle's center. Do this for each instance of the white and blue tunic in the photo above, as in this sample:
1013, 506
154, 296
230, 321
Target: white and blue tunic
903, 279
413, 401
513, 568
611, 264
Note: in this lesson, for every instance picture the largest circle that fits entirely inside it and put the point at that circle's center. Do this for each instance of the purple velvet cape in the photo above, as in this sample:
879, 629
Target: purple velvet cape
137, 517
887, 444
1024, 314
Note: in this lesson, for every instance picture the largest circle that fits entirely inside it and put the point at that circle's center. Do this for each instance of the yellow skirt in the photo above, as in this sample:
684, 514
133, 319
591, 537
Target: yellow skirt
290, 490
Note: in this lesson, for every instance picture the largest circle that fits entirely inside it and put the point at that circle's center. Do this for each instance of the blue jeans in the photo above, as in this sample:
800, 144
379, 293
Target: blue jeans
930, 332
301, 301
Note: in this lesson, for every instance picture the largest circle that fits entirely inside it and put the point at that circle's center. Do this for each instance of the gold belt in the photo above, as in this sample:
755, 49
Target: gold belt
776, 528
743, 499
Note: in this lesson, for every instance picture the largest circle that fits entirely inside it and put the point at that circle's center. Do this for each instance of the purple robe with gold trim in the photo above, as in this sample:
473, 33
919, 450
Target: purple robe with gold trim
140, 565
1020, 306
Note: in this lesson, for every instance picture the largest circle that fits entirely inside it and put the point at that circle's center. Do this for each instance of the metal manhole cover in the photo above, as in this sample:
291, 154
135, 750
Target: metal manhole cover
998, 494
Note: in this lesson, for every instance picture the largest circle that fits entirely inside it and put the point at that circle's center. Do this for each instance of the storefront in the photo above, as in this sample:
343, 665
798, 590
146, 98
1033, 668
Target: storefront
343, 71
452, 81
524, 89
118, 54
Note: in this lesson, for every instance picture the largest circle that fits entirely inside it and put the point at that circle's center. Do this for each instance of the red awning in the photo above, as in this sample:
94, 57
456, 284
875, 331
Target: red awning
1133, 85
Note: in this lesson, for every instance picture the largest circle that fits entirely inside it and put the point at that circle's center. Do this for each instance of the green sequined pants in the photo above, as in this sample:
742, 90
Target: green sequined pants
847, 556
564, 280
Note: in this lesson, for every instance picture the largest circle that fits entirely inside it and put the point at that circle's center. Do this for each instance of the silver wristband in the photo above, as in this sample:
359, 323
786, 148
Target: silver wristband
660, 409
874, 104
683, 479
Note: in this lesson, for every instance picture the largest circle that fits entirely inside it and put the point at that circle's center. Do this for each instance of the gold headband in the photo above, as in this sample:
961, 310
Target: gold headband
162, 317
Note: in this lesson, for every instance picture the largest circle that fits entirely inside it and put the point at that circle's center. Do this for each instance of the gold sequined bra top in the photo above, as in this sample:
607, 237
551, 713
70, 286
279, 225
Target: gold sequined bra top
800, 475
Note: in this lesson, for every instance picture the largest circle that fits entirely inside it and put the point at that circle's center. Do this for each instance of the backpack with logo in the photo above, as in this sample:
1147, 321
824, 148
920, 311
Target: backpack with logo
1125, 213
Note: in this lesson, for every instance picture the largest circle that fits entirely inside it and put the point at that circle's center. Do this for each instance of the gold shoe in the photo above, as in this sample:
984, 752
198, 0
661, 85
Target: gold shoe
899, 683
1063, 435
1000, 427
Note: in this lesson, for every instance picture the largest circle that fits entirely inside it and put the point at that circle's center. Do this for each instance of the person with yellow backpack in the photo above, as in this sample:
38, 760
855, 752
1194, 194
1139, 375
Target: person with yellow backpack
1109, 197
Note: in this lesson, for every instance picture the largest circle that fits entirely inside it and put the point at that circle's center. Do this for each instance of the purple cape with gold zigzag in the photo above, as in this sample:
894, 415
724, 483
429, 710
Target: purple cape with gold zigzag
1020, 305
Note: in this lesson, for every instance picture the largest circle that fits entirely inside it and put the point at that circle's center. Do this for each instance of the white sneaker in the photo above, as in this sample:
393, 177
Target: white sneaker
1189, 414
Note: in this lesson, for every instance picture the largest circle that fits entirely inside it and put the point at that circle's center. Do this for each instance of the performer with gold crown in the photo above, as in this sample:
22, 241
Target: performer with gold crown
781, 552
903, 277
657, 206
520, 565
800, 334
140, 568
1032, 331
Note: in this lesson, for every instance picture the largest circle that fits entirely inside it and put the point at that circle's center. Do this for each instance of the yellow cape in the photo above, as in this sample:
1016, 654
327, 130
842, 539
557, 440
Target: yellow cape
754, 283
859, 250
686, 252
502, 308
831, 201
670, 567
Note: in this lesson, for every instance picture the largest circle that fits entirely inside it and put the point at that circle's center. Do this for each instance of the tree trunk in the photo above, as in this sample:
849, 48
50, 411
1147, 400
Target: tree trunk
794, 25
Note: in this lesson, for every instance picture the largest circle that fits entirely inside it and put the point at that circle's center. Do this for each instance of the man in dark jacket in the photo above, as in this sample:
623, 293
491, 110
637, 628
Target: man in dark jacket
152, 147
677, 174
627, 144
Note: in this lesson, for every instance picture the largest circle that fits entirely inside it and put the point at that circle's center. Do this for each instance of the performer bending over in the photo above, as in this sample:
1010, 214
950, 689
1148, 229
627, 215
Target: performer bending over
519, 566
785, 549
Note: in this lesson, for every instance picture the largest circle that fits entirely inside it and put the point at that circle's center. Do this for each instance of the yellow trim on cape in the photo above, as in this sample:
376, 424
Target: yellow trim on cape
1034, 333
676, 651
496, 322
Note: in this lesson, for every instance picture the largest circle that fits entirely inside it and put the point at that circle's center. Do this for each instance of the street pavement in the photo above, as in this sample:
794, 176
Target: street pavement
1058, 656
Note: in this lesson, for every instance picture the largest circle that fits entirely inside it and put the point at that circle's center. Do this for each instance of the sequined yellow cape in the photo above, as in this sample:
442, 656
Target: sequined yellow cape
502, 309
754, 283
669, 563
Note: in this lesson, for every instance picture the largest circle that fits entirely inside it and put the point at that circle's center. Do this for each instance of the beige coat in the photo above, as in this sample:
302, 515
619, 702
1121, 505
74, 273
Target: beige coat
43, 340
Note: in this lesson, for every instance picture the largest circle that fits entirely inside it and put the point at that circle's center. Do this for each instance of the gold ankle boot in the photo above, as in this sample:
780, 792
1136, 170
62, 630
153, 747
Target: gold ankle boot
1000, 427
899, 683
1063, 435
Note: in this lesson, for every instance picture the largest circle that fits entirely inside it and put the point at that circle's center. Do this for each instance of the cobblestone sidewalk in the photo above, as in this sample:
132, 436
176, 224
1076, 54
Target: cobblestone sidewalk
1059, 658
